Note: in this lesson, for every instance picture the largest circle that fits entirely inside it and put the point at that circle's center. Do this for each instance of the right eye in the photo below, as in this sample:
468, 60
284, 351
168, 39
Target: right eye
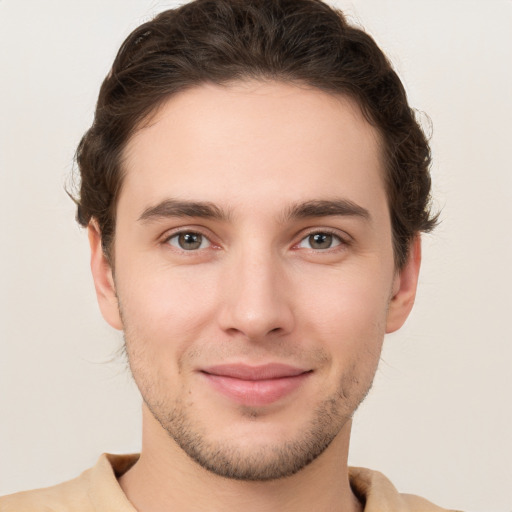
189, 241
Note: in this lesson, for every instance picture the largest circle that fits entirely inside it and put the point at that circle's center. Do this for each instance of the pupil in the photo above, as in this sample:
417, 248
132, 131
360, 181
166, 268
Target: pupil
190, 241
321, 241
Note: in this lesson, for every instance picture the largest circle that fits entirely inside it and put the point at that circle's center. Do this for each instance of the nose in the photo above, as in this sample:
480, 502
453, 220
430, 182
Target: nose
257, 297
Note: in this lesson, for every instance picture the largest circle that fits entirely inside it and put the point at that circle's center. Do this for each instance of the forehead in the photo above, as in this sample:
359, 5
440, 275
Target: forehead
253, 142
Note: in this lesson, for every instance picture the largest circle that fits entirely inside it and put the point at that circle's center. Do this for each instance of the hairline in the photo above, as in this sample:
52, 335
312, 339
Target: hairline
151, 116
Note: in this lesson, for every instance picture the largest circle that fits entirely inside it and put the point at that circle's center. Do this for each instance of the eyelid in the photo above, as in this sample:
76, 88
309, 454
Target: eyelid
204, 241
171, 233
344, 238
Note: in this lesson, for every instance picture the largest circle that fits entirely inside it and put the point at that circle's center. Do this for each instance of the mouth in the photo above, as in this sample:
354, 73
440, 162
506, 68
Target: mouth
255, 385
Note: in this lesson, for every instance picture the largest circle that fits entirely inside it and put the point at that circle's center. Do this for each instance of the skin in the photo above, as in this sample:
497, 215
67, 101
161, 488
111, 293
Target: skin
259, 289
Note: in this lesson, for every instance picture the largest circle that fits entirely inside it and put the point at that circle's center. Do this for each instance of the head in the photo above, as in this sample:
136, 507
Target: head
254, 183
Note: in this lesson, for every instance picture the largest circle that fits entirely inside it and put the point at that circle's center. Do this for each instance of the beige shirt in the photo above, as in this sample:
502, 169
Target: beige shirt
97, 490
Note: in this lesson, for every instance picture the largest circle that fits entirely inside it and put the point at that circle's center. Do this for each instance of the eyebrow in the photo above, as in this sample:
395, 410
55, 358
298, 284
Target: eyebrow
177, 208
326, 208
206, 210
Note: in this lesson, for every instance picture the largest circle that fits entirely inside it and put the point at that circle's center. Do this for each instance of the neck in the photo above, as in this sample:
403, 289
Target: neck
165, 479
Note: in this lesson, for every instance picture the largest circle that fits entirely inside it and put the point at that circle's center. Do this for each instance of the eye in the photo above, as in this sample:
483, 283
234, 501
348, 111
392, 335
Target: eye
188, 241
320, 241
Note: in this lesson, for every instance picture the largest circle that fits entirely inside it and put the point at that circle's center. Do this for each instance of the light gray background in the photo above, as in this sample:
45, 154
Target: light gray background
439, 419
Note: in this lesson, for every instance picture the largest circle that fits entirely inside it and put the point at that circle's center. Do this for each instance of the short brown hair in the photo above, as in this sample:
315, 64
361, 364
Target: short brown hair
221, 41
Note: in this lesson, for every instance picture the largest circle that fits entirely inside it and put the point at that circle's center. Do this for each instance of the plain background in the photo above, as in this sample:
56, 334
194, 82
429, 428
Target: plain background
439, 420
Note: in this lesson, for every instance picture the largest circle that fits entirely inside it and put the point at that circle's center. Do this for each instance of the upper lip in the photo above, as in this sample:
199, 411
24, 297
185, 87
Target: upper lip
249, 372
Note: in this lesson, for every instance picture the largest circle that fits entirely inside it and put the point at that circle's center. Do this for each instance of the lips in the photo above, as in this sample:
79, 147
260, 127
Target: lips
255, 385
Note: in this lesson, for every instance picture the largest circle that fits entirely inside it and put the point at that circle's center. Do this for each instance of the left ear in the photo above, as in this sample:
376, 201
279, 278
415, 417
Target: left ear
404, 288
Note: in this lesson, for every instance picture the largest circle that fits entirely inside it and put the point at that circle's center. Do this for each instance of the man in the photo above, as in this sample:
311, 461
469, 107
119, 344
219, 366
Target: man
254, 186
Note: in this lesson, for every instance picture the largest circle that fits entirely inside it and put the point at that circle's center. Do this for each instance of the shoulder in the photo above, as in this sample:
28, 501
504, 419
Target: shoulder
380, 495
67, 496
95, 489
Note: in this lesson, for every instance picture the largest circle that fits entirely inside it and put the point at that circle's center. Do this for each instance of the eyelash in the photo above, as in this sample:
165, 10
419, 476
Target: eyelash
184, 232
342, 241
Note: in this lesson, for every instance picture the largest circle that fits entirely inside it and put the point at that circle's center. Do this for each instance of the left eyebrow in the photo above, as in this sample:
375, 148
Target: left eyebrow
326, 208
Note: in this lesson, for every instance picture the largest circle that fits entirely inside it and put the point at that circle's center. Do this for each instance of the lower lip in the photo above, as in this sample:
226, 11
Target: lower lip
256, 392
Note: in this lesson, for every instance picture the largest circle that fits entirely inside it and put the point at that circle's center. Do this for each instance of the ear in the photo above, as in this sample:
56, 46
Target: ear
103, 279
404, 288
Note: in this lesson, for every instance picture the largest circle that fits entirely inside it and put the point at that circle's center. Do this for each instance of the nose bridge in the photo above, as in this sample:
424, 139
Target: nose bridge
256, 295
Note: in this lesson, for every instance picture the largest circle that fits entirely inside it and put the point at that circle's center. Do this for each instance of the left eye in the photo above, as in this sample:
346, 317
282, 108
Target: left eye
188, 241
319, 241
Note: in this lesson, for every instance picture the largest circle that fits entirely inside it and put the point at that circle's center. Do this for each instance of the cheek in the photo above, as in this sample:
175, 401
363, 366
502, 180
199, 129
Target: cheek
166, 309
349, 312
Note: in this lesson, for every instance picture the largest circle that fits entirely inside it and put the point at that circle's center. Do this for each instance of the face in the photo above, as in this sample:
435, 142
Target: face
254, 275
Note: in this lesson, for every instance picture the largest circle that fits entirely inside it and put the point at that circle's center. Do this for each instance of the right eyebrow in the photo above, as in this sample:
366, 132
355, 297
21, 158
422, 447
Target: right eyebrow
179, 208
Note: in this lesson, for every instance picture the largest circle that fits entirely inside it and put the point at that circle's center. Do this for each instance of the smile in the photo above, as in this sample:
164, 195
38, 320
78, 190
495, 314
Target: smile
255, 385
